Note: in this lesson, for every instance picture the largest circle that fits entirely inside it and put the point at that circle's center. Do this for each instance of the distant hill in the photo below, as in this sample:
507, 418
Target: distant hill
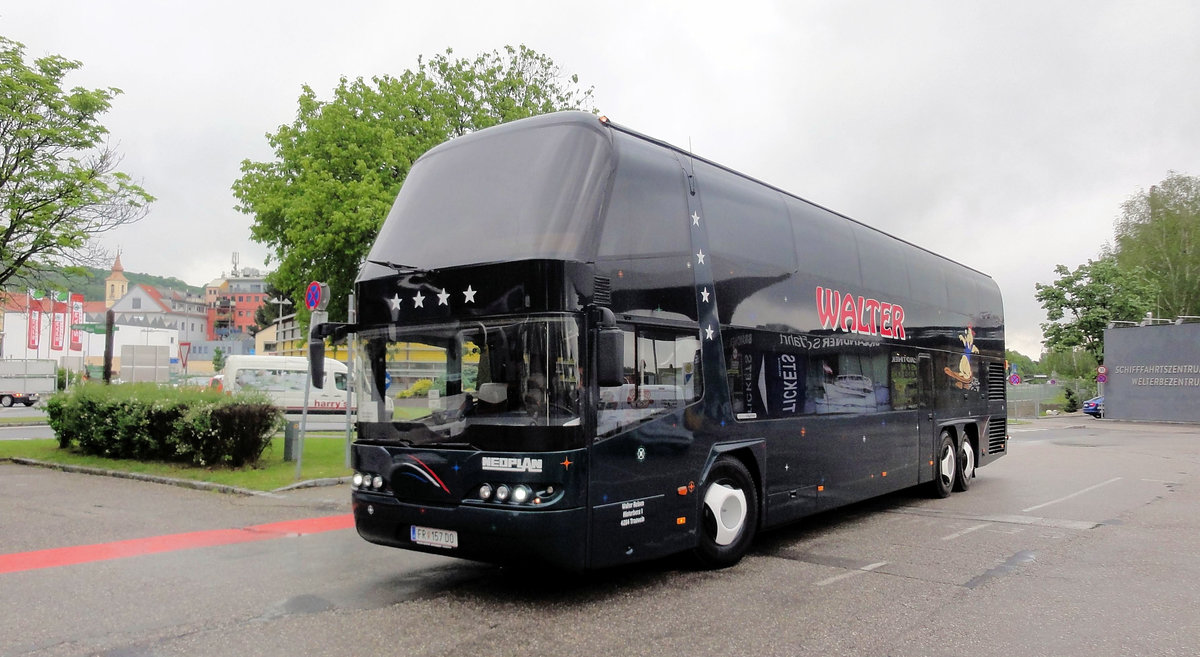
91, 284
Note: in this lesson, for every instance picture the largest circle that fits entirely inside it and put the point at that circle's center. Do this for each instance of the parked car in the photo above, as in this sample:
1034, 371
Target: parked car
9, 398
1094, 406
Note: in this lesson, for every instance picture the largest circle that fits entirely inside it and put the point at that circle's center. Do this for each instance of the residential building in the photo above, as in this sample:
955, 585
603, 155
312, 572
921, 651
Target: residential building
154, 308
232, 302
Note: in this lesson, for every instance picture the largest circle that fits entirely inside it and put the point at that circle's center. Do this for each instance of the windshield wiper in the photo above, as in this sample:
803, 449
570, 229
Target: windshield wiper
398, 268
458, 446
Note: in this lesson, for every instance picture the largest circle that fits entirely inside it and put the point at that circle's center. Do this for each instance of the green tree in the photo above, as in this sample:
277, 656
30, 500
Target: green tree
1081, 303
1026, 367
1074, 363
59, 184
269, 312
1159, 231
338, 167
218, 359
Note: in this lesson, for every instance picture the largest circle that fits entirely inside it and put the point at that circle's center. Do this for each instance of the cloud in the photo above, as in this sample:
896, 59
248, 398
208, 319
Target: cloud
1003, 135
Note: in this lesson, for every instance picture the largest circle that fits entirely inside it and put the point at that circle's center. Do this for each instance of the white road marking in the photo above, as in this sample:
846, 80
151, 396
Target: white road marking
966, 531
852, 573
1033, 521
1067, 497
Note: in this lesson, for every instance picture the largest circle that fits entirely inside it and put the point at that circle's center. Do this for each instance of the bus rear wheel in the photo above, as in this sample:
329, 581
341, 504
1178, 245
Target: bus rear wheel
966, 465
945, 460
729, 514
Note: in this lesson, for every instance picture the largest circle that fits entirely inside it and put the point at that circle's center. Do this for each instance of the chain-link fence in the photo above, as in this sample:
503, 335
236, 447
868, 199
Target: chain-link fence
1041, 399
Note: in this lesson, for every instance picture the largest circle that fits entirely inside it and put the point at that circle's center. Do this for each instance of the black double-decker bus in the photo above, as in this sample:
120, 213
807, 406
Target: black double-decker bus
580, 347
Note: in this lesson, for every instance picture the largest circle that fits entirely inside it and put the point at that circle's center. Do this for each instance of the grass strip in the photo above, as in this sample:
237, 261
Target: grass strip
23, 420
324, 458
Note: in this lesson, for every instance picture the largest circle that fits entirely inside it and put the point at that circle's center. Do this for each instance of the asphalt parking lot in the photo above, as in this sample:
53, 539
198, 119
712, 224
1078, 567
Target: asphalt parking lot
1081, 541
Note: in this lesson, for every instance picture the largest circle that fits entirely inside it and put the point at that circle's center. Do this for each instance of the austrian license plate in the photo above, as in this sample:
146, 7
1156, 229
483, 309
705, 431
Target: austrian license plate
443, 538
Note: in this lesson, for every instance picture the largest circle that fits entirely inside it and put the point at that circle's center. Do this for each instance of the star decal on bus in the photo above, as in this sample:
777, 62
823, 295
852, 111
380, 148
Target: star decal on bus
700, 257
419, 300
695, 219
443, 298
704, 295
469, 294
395, 301
708, 332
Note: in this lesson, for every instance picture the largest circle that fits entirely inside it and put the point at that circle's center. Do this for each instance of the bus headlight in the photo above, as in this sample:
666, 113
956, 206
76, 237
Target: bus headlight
357, 481
377, 482
485, 492
520, 494
502, 493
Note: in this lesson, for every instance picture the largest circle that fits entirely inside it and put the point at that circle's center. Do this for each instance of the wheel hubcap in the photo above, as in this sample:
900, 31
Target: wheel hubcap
728, 507
947, 465
968, 460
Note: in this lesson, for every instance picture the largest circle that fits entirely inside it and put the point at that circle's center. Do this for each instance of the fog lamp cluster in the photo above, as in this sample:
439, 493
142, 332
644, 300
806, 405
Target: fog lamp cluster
519, 494
366, 481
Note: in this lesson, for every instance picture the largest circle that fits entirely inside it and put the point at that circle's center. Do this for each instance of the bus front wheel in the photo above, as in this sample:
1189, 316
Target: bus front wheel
946, 464
729, 514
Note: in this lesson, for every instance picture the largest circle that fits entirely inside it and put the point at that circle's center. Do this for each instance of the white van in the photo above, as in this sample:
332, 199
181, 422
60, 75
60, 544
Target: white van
283, 377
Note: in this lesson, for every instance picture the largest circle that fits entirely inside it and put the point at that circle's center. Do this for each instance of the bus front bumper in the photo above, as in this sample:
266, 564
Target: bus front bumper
551, 538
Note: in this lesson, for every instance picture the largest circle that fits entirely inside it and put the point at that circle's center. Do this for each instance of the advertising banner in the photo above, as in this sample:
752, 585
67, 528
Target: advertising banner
77, 318
58, 321
34, 327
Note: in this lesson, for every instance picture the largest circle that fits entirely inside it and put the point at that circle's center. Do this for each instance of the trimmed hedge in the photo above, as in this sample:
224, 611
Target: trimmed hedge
145, 422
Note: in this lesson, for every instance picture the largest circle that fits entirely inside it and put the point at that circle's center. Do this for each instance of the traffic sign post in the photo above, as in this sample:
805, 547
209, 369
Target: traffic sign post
316, 298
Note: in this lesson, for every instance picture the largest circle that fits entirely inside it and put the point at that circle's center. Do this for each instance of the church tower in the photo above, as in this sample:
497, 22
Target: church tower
116, 285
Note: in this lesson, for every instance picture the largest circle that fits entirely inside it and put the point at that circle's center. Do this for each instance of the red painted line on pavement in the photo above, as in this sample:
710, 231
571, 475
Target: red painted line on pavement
67, 556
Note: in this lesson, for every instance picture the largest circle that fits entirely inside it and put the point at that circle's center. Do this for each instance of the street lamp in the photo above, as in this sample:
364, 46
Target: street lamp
279, 302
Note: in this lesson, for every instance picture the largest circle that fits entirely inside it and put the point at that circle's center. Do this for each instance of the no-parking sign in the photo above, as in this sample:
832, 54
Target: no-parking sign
316, 296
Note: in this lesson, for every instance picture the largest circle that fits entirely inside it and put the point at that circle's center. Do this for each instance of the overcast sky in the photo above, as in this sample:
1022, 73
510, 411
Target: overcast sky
1005, 134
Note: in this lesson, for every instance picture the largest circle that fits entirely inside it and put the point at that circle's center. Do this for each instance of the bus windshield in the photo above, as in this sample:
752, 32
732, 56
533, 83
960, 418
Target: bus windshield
498, 384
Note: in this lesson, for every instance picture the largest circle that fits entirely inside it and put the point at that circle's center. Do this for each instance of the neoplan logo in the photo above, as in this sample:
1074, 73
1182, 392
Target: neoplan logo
511, 464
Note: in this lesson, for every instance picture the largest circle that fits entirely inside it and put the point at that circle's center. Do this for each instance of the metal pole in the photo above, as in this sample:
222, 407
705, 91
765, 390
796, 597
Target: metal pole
351, 316
279, 302
303, 421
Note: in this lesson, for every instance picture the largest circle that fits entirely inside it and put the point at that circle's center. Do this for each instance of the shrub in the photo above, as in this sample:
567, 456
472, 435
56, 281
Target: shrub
1072, 401
147, 422
419, 388
227, 432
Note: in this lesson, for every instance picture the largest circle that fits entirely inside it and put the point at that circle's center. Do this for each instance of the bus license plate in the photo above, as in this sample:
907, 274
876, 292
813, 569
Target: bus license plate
443, 538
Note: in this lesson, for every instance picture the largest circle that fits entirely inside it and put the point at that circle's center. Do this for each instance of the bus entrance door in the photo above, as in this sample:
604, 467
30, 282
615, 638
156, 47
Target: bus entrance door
925, 415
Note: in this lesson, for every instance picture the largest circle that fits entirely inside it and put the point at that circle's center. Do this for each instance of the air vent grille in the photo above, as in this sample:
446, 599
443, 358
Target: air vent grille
602, 290
995, 382
997, 435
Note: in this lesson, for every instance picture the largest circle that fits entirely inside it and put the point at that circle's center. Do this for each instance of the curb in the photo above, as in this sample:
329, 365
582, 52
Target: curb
182, 483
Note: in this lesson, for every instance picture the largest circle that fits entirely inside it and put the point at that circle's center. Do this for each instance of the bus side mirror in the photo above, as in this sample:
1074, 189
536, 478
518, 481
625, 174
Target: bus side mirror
316, 356
610, 357
316, 349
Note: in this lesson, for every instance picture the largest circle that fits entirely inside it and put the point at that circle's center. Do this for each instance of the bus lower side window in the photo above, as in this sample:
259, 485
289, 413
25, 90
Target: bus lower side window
662, 373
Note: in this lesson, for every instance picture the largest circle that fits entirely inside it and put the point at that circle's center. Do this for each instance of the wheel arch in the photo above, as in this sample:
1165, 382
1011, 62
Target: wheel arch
970, 431
752, 454
961, 430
